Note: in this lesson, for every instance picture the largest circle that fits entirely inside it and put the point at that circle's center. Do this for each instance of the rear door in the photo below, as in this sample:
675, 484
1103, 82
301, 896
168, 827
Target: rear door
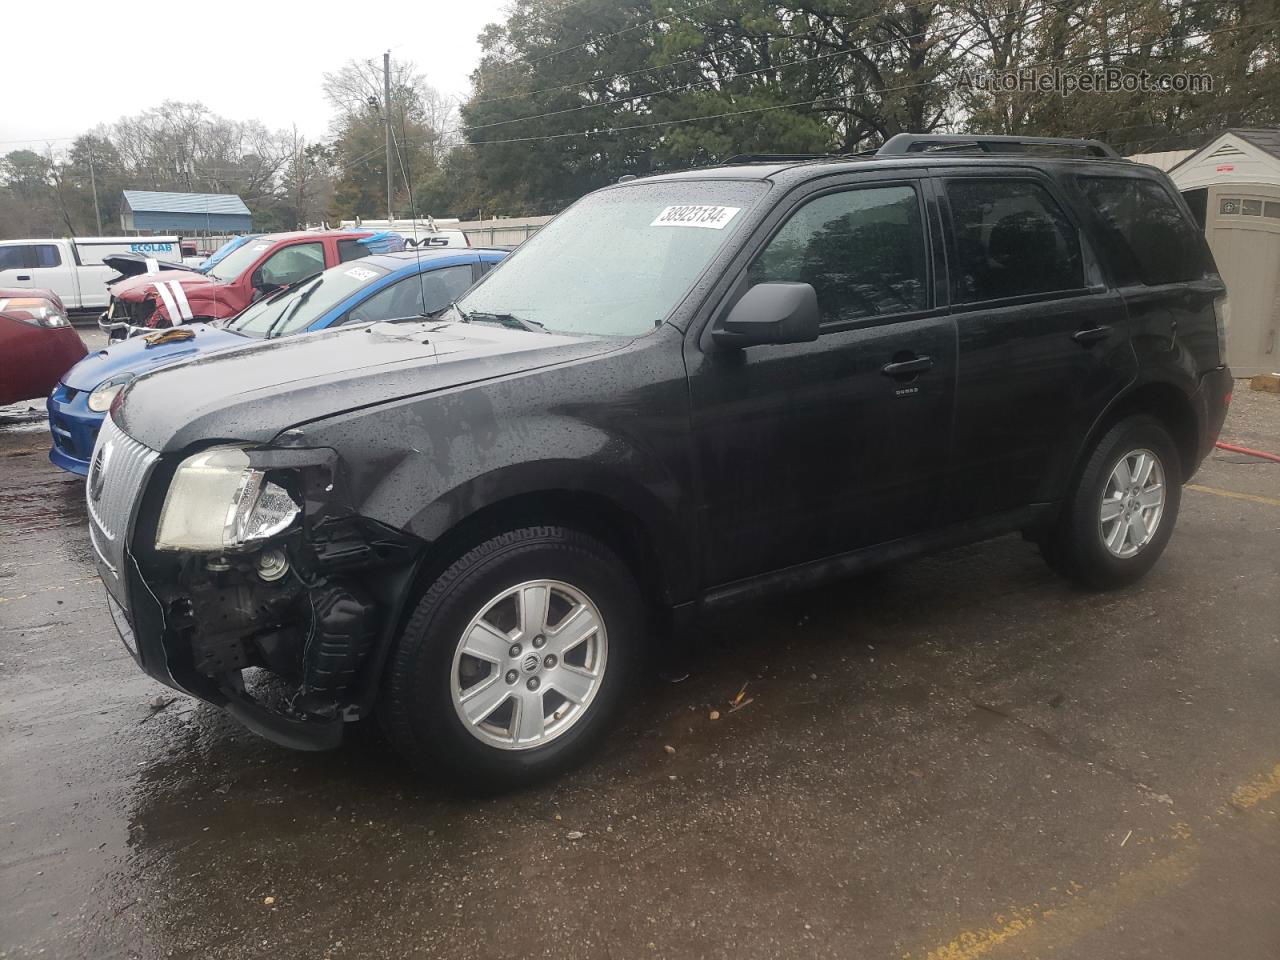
1043, 342
1161, 265
814, 449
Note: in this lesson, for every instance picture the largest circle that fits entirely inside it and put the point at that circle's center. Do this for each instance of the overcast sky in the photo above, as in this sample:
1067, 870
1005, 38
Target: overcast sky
70, 65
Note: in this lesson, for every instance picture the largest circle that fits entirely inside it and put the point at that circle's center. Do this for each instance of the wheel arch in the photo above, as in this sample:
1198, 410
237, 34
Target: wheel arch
592, 499
1167, 403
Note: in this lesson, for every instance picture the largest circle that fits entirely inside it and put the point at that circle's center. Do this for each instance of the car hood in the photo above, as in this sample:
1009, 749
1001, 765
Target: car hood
254, 393
141, 354
137, 287
136, 264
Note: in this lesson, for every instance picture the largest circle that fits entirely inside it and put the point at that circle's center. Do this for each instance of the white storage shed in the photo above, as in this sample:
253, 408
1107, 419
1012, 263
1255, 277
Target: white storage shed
1233, 186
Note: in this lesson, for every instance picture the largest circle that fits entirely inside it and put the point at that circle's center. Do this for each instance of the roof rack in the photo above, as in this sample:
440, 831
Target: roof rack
775, 158
904, 143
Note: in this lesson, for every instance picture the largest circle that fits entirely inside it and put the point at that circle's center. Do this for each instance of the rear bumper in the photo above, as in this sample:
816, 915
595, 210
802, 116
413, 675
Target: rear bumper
1212, 399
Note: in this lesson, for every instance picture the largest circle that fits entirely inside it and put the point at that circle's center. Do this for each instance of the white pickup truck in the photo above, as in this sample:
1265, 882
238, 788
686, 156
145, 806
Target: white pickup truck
73, 268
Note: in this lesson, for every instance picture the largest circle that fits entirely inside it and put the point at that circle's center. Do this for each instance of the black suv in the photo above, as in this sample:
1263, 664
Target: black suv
686, 390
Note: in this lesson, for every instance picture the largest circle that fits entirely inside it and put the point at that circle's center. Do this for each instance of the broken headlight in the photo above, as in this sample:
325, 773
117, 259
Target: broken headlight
217, 502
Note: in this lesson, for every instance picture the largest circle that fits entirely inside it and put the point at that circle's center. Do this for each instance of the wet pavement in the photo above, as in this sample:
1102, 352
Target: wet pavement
955, 759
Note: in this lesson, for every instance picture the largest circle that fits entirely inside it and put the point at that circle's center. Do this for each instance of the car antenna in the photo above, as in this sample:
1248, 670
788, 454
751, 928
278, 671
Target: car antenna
413, 207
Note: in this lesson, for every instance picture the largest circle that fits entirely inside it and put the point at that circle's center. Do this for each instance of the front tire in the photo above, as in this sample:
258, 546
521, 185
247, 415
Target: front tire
1120, 514
515, 659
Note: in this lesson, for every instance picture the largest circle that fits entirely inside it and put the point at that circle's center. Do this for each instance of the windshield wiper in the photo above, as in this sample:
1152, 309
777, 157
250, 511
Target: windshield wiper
506, 319
289, 311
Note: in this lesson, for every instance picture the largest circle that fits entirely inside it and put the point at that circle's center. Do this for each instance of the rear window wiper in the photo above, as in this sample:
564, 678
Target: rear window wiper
506, 319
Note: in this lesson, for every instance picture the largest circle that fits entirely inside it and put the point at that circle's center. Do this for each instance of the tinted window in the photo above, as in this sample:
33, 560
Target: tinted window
351, 250
1011, 240
863, 251
292, 264
1198, 201
425, 293
47, 255
1146, 237
13, 257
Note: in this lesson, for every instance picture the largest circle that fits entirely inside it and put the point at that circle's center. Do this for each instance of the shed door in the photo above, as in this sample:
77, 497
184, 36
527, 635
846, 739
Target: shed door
1244, 235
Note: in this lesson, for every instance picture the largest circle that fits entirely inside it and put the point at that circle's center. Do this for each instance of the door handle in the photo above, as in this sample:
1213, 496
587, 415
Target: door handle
907, 368
25, 276
1092, 335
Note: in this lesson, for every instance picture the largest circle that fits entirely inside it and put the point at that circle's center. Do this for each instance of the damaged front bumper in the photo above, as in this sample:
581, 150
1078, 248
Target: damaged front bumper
289, 637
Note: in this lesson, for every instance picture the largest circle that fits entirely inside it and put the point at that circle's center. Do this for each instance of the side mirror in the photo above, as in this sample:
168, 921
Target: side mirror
771, 313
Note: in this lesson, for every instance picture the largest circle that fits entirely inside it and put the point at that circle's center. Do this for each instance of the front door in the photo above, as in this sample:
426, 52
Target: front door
15, 265
49, 272
1044, 343
810, 450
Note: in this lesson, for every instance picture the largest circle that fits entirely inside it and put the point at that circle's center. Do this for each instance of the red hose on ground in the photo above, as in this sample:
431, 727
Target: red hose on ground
1262, 454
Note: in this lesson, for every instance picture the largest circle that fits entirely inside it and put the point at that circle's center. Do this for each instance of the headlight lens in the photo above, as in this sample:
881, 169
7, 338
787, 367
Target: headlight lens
217, 502
105, 392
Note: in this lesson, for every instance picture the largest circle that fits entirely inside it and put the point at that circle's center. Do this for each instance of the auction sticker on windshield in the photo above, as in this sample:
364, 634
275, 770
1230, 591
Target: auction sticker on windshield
696, 215
360, 273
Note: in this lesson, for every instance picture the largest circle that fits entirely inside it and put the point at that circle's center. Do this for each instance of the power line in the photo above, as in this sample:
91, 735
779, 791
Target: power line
702, 55
747, 73
711, 80
610, 36
820, 100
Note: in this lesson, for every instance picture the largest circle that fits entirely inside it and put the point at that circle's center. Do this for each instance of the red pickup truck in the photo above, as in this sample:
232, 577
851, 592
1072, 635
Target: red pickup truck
258, 267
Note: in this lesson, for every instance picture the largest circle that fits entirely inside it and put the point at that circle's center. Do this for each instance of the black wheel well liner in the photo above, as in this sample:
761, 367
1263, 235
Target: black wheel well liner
587, 512
1168, 404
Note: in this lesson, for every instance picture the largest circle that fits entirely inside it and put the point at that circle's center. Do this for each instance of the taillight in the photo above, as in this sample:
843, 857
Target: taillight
36, 311
1222, 319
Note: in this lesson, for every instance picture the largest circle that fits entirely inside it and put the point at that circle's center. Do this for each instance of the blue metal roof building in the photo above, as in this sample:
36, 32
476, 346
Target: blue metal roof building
184, 213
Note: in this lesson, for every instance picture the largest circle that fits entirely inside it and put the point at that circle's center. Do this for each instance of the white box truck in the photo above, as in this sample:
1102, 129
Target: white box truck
73, 268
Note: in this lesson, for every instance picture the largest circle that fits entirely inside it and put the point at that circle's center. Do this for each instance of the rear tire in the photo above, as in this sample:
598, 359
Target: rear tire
1120, 514
474, 684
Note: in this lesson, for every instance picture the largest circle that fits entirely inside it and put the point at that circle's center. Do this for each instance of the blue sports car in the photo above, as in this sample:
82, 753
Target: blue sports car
381, 287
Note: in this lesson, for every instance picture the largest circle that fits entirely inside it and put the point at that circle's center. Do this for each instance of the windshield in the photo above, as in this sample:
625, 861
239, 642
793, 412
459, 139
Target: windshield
617, 262
239, 260
302, 305
221, 253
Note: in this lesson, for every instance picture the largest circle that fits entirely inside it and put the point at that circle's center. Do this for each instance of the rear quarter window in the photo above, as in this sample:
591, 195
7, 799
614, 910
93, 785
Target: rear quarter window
1144, 235
349, 250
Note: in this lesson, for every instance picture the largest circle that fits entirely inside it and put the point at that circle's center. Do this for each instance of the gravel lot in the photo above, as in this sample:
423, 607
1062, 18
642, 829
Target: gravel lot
956, 759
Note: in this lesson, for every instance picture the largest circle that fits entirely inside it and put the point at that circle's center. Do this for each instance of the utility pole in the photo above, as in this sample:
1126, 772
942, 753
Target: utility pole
93, 183
386, 119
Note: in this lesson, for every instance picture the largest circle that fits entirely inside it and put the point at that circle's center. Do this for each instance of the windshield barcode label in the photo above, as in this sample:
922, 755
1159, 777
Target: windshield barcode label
694, 215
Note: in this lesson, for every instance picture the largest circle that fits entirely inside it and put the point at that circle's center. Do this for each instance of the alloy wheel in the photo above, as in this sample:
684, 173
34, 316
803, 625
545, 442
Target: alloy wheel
528, 666
1132, 503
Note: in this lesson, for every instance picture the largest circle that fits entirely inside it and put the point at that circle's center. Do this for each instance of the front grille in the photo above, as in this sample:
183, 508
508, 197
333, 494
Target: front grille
118, 472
